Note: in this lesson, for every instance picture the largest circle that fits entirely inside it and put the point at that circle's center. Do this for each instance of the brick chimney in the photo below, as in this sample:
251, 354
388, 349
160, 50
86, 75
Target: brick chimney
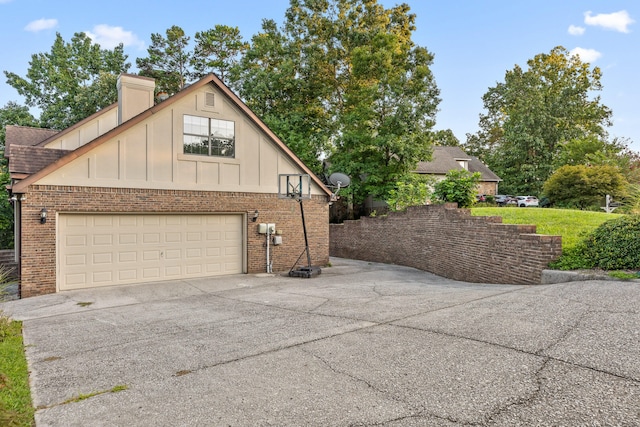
135, 95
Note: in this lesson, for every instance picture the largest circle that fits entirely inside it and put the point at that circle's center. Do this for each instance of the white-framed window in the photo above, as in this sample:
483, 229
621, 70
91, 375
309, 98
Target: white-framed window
208, 137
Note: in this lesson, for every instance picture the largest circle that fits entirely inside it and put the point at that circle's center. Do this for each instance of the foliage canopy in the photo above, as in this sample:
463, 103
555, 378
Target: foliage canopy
72, 81
537, 116
584, 187
343, 79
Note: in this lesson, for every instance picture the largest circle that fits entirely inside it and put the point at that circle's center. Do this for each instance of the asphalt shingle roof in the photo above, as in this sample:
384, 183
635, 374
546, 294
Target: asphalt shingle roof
445, 159
28, 160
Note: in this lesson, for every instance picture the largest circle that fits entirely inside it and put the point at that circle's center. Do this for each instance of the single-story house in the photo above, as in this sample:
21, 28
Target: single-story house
445, 159
144, 191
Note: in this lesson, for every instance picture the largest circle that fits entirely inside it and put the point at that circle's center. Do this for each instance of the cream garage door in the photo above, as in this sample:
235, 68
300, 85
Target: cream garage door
101, 250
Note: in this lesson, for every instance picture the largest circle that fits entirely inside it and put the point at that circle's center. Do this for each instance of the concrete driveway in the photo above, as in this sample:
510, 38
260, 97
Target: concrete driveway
361, 345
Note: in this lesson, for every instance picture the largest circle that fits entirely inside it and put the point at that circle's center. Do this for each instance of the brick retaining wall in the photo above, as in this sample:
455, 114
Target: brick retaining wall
449, 242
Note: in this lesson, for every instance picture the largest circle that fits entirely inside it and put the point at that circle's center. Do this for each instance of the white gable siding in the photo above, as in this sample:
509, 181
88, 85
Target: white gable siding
150, 155
86, 132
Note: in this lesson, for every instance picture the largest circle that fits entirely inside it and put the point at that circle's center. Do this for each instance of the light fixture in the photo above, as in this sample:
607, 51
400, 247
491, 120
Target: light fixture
254, 218
43, 215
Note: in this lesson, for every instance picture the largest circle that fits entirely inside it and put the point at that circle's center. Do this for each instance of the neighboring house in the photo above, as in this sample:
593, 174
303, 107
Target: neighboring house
141, 192
445, 159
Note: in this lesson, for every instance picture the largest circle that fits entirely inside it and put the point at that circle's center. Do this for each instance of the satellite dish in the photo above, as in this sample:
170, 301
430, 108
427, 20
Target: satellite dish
339, 180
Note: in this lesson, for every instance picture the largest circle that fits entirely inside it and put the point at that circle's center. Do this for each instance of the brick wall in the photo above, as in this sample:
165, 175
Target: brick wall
39, 240
449, 242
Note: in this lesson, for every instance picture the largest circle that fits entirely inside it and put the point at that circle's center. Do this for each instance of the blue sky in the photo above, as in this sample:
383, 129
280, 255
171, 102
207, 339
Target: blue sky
474, 41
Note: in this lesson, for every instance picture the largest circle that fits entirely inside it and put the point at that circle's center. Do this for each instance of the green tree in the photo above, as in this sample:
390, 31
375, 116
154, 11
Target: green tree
534, 114
343, 78
169, 60
445, 138
72, 81
286, 94
218, 51
414, 191
585, 187
459, 186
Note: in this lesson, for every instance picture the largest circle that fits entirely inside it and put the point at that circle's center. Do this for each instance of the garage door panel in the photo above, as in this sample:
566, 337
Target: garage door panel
127, 239
127, 275
99, 250
76, 240
103, 258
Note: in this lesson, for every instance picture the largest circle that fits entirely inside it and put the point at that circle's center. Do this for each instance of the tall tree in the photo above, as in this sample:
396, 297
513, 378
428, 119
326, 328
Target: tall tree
536, 112
445, 138
72, 81
168, 61
343, 78
218, 51
280, 89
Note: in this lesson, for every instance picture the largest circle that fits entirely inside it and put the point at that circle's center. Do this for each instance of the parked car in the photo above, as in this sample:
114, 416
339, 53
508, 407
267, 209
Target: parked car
502, 199
527, 201
505, 199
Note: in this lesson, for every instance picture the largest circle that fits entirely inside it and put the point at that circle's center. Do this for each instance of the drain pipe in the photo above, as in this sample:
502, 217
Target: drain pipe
268, 260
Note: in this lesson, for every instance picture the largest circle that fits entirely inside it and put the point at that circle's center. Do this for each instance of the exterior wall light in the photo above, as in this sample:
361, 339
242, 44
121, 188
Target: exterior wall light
43, 215
254, 218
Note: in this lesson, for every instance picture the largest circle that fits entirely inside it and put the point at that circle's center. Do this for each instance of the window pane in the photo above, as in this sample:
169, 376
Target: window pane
222, 147
209, 137
223, 138
223, 128
196, 125
196, 145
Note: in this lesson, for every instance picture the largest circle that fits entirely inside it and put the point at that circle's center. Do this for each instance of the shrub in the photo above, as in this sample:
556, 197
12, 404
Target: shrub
614, 245
459, 187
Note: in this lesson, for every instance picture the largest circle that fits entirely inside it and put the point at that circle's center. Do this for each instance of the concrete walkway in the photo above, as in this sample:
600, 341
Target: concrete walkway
361, 345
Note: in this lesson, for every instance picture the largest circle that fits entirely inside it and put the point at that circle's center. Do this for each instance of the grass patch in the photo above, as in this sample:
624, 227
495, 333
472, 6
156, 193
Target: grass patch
86, 396
16, 409
572, 225
625, 275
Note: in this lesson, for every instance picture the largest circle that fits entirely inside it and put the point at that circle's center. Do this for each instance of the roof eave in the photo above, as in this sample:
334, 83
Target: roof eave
24, 184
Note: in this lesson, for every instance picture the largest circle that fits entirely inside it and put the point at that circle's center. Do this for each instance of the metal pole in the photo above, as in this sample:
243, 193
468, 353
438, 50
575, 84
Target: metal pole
306, 241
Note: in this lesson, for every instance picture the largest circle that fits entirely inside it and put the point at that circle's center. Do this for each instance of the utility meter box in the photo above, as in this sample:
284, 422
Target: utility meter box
263, 228
277, 240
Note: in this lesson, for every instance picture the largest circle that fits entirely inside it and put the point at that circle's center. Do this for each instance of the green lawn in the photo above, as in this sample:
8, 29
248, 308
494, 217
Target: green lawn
16, 409
570, 224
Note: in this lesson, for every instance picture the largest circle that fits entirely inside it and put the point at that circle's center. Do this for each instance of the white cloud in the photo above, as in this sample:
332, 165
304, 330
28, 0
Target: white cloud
109, 37
574, 30
617, 21
41, 24
586, 55
5, 1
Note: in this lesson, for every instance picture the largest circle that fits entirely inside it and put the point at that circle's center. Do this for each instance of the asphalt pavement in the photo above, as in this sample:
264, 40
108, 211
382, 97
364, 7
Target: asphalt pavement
362, 344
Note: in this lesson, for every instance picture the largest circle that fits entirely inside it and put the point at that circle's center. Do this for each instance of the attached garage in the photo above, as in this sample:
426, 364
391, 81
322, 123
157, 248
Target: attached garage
107, 249
143, 191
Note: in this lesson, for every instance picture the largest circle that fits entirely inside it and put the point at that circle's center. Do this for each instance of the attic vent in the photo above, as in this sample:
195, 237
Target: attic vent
209, 99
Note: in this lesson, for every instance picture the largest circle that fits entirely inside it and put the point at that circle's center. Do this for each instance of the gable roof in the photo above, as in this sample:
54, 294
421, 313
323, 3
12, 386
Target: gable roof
445, 159
26, 136
26, 160
21, 186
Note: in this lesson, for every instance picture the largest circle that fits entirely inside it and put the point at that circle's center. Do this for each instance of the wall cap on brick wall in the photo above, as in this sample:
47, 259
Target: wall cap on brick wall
449, 242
